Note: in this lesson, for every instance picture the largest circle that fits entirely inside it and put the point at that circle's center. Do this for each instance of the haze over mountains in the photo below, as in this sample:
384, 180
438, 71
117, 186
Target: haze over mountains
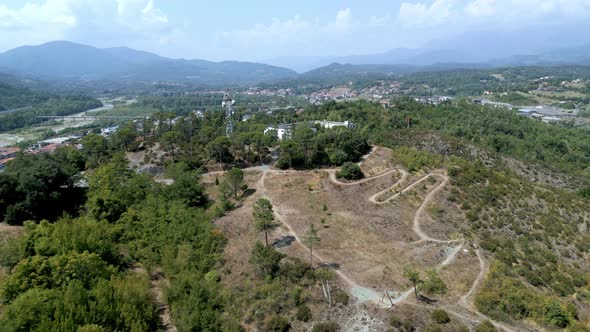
532, 45
63, 60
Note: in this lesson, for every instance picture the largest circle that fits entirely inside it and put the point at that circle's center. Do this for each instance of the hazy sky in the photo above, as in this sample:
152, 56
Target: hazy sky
262, 29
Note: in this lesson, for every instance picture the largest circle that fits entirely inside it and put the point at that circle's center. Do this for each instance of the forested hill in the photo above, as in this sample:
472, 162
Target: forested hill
19, 105
13, 96
65, 60
91, 258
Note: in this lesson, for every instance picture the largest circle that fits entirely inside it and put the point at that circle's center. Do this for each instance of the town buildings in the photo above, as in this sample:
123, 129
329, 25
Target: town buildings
285, 131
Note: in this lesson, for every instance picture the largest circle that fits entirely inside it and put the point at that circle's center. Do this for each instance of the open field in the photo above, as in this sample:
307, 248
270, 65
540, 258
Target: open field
370, 231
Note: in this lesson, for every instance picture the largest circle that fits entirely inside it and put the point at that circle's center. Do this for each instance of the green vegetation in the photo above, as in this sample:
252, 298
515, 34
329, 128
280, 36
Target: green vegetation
529, 226
106, 241
350, 171
72, 274
42, 186
413, 276
264, 217
310, 239
433, 284
485, 326
504, 296
440, 316
325, 327
59, 106
517, 99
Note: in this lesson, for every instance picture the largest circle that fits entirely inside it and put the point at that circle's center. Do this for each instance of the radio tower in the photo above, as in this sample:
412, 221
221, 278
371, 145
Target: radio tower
228, 102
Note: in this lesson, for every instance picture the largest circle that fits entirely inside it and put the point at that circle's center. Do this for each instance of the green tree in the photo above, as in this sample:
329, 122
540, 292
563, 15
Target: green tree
486, 326
219, 149
170, 141
266, 259
433, 285
95, 147
264, 217
126, 136
413, 276
292, 153
188, 188
440, 316
310, 239
350, 171
234, 179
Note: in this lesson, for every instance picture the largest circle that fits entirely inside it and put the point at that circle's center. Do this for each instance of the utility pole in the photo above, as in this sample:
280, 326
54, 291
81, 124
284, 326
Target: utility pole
228, 103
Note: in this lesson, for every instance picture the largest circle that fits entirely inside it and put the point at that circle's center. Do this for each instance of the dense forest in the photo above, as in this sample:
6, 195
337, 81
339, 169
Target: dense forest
19, 105
92, 244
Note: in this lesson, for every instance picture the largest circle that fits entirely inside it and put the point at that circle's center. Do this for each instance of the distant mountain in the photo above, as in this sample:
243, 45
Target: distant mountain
71, 61
342, 70
542, 44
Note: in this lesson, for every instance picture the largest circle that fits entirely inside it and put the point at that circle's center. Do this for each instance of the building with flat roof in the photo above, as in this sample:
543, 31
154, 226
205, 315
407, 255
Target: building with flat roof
283, 131
332, 124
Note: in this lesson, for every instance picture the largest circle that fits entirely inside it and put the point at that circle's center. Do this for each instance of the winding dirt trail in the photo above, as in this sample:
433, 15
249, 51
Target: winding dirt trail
465, 302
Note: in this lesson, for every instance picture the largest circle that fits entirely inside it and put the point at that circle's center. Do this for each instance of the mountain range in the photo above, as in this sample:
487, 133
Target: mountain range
541, 44
67, 61
70, 61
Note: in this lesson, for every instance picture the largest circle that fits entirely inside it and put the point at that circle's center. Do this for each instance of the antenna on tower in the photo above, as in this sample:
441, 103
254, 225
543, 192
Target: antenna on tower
228, 103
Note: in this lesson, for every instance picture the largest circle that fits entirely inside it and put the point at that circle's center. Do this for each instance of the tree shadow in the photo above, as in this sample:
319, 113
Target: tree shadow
331, 266
248, 192
285, 241
426, 300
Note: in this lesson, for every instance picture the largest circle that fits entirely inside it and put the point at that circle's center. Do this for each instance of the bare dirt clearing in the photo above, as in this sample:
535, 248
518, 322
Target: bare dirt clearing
370, 231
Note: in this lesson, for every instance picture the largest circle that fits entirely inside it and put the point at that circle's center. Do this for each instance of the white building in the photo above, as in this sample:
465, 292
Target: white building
283, 131
332, 124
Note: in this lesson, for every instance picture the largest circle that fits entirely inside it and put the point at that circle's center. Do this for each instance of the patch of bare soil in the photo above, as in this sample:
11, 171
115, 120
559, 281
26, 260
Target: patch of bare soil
370, 231
368, 243
238, 227
377, 162
9, 231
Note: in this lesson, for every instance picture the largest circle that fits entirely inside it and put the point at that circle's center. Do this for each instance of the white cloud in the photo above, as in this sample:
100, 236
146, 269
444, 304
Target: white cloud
343, 34
98, 22
479, 8
461, 15
378, 21
425, 15
295, 33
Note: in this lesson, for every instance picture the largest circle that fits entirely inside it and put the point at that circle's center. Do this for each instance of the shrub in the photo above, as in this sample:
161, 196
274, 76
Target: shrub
295, 295
433, 284
395, 321
341, 297
440, 316
554, 314
325, 327
303, 313
408, 325
432, 328
486, 326
277, 324
282, 163
350, 171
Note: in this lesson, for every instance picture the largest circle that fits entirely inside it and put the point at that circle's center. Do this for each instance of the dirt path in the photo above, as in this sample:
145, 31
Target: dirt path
335, 180
417, 217
281, 217
163, 309
466, 301
367, 294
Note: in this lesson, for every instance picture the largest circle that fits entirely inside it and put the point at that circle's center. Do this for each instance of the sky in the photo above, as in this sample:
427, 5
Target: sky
265, 29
